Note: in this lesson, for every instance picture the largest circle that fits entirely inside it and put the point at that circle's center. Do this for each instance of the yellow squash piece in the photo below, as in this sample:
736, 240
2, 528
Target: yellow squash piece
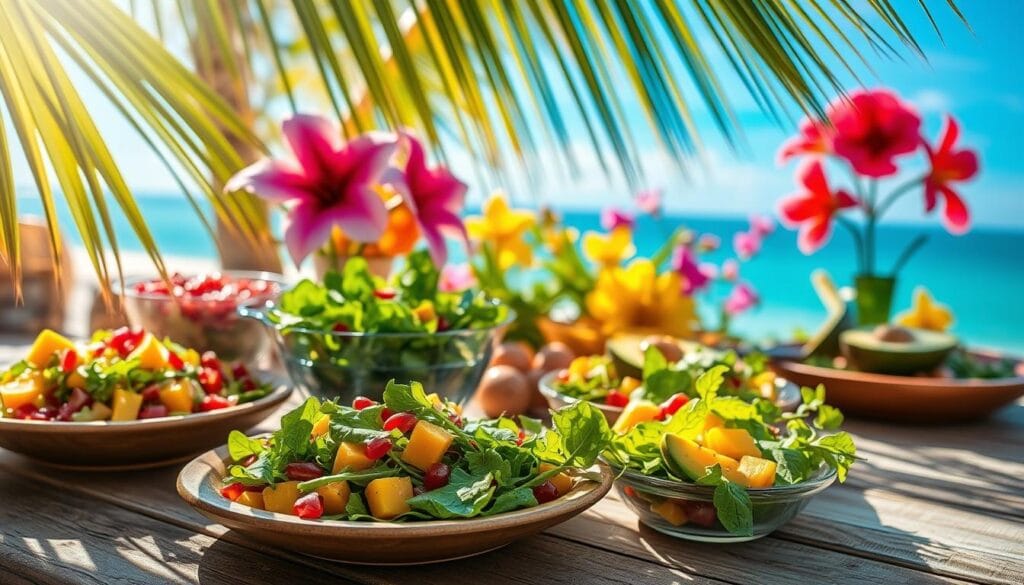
760, 472
152, 354
351, 456
47, 343
672, 512
177, 396
427, 445
126, 405
635, 413
735, 443
387, 496
281, 497
25, 389
321, 427
251, 499
335, 497
562, 481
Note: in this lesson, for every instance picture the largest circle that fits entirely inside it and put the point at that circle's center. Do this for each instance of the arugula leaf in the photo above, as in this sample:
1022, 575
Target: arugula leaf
355, 507
465, 496
791, 466
490, 462
735, 511
584, 431
241, 446
842, 449
829, 418
709, 382
297, 425
511, 500
531, 425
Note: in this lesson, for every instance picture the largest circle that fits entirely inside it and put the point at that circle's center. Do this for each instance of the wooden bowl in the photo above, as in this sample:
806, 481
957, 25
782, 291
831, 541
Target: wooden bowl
377, 543
139, 444
908, 398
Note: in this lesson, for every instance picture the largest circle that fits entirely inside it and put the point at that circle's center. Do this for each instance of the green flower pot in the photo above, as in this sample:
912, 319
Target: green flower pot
874, 298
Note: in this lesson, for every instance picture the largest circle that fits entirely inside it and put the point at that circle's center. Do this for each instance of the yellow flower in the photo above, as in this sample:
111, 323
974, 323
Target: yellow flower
636, 298
926, 313
608, 251
503, 228
555, 238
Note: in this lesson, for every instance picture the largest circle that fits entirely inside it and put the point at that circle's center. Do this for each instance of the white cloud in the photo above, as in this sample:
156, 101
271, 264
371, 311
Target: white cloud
932, 101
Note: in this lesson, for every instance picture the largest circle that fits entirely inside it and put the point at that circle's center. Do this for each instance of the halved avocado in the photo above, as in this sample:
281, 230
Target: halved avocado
627, 352
894, 350
686, 458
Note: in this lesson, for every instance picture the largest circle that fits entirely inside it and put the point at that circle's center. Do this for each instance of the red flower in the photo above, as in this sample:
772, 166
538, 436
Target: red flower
814, 138
871, 128
949, 165
813, 208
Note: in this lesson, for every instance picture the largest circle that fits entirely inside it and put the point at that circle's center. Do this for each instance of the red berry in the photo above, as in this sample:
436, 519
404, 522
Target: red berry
25, 411
378, 448
616, 398
303, 471
629, 491
340, 328
239, 372
69, 362
214, 402
403, 421
175, 361
521, 437
361, 402
210, 360
211, 380
701, 513
545, 492
44, 413
442, 323
672, 405
249, 460
385, 294
151, 393
437, 476
309, 506
153, 411
232, 491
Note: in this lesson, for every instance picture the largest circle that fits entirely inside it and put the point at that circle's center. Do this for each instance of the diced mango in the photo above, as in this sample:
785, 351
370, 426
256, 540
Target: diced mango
562, 481
760, 472
177, 396
335, 497
191, 357
351, 456
764, 384
323, 424
126, 405
151, 353
427, 445
711, 421
251, 499
387, 496
25, 389
628, 384
735, 443
75, 380
672, 512
730, 469
93, 412
281, 498
435, 400
47, 343
425, 312
635, 413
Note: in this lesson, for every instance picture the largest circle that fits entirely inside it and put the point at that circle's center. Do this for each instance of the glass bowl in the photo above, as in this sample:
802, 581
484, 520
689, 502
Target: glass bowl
204, 323
685, 510
346, 364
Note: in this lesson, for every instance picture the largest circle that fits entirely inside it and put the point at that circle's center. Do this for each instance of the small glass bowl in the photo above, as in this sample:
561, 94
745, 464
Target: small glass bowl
685, 510
557, 399
204, 324
346, 364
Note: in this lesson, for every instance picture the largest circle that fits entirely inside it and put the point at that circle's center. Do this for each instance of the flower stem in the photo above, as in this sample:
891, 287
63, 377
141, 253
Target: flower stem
869, 228
897, 193
912, 247
857, 239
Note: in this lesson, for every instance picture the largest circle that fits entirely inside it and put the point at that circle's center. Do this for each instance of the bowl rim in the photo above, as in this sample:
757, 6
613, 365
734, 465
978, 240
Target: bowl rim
825, 477
198, 471
127, 288
283, 388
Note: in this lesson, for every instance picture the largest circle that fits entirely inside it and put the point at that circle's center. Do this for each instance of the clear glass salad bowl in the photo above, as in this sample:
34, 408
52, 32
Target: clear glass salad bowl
204, 323
345, 364
686, 510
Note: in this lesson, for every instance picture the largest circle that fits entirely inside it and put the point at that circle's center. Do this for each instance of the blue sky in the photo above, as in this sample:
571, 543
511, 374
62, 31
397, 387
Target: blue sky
976, 77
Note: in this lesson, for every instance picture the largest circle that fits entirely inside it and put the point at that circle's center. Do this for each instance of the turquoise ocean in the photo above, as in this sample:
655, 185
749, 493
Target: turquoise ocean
979, 275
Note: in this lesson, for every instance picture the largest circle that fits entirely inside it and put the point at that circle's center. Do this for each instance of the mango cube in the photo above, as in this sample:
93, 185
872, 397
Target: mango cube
335, 497
47, 343
731, 469
126, 405
760, 472
387, 496
25, 389
562, 481
712, 421
635, 413
427, 445
251, 499
281, 498
351, 456
735, 443
321, 427
177, 396
672, 512
152, 354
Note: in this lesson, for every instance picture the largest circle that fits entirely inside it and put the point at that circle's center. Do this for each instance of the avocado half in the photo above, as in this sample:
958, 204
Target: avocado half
895, 350
628, 355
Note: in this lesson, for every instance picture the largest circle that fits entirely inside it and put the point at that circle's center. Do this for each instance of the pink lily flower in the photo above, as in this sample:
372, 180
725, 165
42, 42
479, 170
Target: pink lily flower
435, 196
949, 165
649, 201
761, 225
746, 244
742, 298
730, 270
695, 277
325, 183
612, 217
708, 242
456, 278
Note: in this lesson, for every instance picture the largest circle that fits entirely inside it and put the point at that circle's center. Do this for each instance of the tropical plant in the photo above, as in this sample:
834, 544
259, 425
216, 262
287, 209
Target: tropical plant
486, 72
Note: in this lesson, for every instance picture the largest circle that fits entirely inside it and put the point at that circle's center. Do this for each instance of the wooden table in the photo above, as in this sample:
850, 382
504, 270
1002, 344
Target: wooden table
941, 504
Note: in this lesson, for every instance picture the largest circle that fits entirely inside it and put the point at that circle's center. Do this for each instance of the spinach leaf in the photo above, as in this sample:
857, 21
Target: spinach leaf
511, 500
734, 509
465, 496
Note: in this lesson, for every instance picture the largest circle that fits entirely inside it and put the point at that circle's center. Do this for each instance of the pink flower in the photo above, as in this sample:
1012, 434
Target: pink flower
612, 218
746, 244
649, 201
742, 298
709, 242
435, 196
872, 128
814, 138
695, 277
761, 225
730, 270
813, 208
949, 165
325, 184
456, 278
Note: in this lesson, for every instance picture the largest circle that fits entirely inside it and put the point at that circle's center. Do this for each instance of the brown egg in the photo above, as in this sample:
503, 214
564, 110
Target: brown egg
503, 390
553, 356
538, 403
665, 344
516, 354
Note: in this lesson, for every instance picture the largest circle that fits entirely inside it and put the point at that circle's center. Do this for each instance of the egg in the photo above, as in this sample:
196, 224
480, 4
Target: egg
553, 356
665, 344
516, 354
538, 403
503, 390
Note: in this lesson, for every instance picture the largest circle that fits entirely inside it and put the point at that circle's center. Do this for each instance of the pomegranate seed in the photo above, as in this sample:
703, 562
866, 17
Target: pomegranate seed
249, 460
385, 294
303, 471
378, 448
211, 380
361, 402
151, 393
44, 413
456, 419
403, 421
521, 437
232, 491
209, 360
25, 411
153, 411
672, 405
239, 372
249, 384
563, 376
701, 513
545, 492
340, 328
214, 402
69, 361
437, 476
629, 491
309, 506
442, 323
125, 340
386, 413
616, 398
78, 400
175, 361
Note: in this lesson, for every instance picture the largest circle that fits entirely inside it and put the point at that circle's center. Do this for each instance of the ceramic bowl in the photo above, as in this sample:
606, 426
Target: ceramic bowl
138, 444
377, 543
